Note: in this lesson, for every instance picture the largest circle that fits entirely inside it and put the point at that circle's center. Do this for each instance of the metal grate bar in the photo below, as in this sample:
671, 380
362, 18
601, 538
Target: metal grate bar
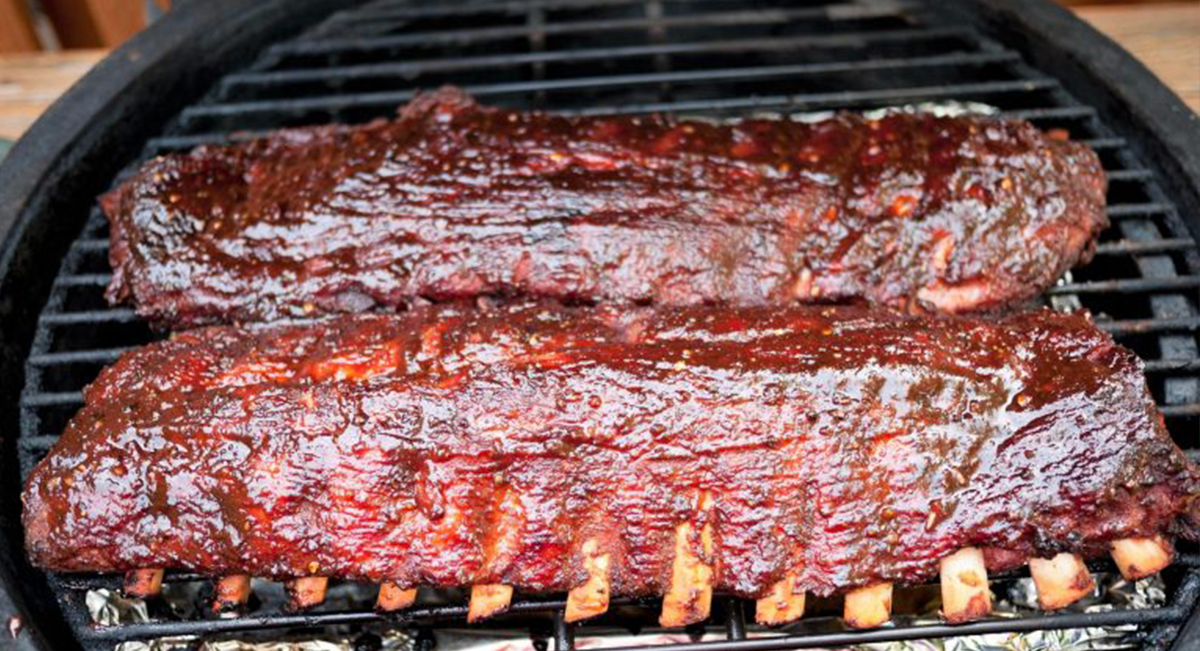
1139, 175
83, 280
83, 582
1170, 614
1180, 394
536, 19
88, 316
177, 143
1127, 285
1053, 112
91, 244
49, 398
564, 633
471, 36
305, 620
1101, 144
735, 620
391, 98
96, 581
103, 355
409, 69
1171, 365
405, 11
1180, 411
36, 443
1136, 209
1138, 326
1130, 247
843, 99
1043, 623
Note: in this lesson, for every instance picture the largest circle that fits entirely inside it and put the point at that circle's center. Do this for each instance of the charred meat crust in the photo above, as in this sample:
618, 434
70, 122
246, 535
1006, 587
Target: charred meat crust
454, 446
454, 200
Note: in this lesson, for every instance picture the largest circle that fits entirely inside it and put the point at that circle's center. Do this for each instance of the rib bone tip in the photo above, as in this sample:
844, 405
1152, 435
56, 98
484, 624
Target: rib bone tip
591, 598
392, 597
1060, 581
1138, 558
232, 592
487, 600
689, 598
306, 592
784, 604
965, 592
868, 607
142, 583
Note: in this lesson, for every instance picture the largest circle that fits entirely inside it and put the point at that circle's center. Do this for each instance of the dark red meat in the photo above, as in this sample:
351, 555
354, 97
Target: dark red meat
454, 200
855, 445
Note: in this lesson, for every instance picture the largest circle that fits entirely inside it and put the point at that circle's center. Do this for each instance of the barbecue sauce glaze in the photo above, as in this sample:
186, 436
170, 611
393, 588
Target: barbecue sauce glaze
453, 200
455, 446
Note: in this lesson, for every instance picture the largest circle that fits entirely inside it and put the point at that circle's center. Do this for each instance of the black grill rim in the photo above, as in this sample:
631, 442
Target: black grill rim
69, 155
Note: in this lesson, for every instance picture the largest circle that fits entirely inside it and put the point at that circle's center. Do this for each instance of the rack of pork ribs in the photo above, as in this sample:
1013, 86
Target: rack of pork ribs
765, 452
690, 426
452, 200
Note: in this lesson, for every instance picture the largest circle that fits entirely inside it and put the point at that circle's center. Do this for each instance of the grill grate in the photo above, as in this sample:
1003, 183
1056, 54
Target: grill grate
702, 57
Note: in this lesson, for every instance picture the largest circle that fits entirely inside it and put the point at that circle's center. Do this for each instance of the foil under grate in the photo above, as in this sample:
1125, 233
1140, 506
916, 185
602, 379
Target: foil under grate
1017, 598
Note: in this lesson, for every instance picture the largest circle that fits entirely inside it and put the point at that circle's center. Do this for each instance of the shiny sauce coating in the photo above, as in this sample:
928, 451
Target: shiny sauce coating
453, 200
455, 446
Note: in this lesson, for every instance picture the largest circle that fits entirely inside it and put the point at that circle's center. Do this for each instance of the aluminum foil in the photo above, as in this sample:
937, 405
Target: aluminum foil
395, 641
1013, 598
945, 108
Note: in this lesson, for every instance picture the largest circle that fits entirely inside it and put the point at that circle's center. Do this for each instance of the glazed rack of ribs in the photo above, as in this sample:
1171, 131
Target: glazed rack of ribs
453, 200
685, 59
762, 452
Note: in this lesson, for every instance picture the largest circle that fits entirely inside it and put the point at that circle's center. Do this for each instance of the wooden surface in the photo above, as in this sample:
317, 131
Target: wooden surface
94, 23
16, 32
1164, 36
29, 82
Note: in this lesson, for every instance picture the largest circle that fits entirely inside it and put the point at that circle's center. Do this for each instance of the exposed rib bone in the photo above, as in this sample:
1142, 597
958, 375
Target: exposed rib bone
487, 600
1140, 557
965, 593
591, 598
232, 591
499, 546
306, 592
689, 598
503, 540
869, 607
393, 597
1060, 581
143, 583
783, 605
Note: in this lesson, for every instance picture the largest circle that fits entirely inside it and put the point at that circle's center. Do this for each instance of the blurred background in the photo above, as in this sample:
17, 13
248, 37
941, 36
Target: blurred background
45, 45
